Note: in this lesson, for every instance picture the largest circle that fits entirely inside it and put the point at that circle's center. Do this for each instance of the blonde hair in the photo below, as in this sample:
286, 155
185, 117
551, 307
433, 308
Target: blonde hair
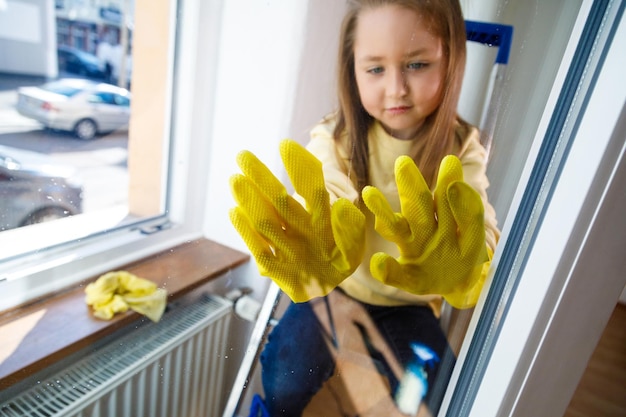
447, 23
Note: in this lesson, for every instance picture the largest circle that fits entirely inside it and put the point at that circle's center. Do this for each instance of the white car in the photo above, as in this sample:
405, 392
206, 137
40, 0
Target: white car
87, 108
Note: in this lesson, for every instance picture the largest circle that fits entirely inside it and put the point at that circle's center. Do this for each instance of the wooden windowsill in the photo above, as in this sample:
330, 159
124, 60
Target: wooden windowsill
46, 331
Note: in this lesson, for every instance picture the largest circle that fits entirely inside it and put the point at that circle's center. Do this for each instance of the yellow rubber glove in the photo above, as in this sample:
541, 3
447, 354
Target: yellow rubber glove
441, 238
116, 292
306, 251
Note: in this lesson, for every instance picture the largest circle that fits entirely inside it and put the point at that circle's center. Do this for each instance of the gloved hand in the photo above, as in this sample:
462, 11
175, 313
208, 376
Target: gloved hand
441, 238
307, 252
116, 292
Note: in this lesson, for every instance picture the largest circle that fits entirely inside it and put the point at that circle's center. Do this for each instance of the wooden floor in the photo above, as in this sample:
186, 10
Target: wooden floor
602, 389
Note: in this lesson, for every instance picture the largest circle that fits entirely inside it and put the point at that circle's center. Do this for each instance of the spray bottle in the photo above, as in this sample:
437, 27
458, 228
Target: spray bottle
414, 383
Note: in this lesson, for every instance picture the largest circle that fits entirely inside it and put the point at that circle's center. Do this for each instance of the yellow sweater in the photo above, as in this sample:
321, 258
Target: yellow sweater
384, 149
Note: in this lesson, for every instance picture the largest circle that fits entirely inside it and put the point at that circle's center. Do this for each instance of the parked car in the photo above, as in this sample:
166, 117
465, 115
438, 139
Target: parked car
79, 62
87, 108
34, 193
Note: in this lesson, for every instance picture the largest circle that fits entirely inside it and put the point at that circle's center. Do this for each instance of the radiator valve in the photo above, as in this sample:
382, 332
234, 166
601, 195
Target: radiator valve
244, 305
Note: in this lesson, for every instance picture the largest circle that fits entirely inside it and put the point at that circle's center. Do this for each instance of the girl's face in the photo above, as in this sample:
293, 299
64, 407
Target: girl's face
399, 67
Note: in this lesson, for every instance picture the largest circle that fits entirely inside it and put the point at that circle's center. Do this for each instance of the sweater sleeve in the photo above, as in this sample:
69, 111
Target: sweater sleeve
473, 157
335, 162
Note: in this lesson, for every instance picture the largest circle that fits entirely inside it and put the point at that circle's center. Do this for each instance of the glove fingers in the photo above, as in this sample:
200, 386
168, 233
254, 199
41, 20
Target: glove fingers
390, 225
384, 267
271, 257
293, 245
268, 253
265, 255
468, 297
468, 211
267, 190
270, 237
450, 171
260, 248
257, 172
415, 196
307, 178
349, 233
270, 219
257, 207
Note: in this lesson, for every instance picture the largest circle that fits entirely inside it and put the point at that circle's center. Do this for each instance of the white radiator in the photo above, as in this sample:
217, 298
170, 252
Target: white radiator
173, 368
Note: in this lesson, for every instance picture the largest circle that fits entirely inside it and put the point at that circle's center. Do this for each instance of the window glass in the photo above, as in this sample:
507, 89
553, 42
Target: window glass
587, 37
130, 185
73, 127
542, 33
48, 88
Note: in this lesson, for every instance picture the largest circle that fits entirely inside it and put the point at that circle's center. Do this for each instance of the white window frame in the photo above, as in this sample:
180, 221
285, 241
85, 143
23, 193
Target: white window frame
569, 272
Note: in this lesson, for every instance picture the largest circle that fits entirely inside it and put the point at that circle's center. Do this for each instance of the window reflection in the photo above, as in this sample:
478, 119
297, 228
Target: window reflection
65, 103
36, 193
526, 94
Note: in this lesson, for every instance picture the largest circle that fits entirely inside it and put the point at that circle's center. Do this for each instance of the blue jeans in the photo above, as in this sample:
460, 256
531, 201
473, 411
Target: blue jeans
296, 360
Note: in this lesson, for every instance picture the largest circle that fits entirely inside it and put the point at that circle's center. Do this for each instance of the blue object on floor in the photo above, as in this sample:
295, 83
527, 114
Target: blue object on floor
257, 408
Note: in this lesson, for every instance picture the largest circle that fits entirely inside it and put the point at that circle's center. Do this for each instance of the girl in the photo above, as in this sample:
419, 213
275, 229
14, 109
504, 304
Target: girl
401, 66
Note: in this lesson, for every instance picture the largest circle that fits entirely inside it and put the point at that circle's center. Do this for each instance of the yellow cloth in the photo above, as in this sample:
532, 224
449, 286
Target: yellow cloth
116, 292
306, 251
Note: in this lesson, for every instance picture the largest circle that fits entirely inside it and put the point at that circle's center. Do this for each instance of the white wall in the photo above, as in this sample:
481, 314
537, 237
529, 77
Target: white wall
257, 68
275, 80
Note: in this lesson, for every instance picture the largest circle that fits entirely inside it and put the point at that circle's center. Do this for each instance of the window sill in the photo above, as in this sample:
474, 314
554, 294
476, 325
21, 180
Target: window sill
42, 333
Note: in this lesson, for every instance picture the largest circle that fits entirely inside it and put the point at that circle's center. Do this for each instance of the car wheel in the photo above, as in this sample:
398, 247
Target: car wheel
86, 129
45, 215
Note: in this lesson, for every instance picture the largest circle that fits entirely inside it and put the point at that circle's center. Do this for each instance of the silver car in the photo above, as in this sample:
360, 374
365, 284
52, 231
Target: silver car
33, 192
87, 108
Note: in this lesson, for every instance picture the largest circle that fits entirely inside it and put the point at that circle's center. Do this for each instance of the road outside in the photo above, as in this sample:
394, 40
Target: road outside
100, 163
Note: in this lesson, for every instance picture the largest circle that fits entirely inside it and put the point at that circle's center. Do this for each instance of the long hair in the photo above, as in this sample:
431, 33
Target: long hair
447, 23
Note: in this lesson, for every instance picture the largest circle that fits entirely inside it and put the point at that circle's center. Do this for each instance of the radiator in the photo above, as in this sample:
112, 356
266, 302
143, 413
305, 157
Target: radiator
171, 368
